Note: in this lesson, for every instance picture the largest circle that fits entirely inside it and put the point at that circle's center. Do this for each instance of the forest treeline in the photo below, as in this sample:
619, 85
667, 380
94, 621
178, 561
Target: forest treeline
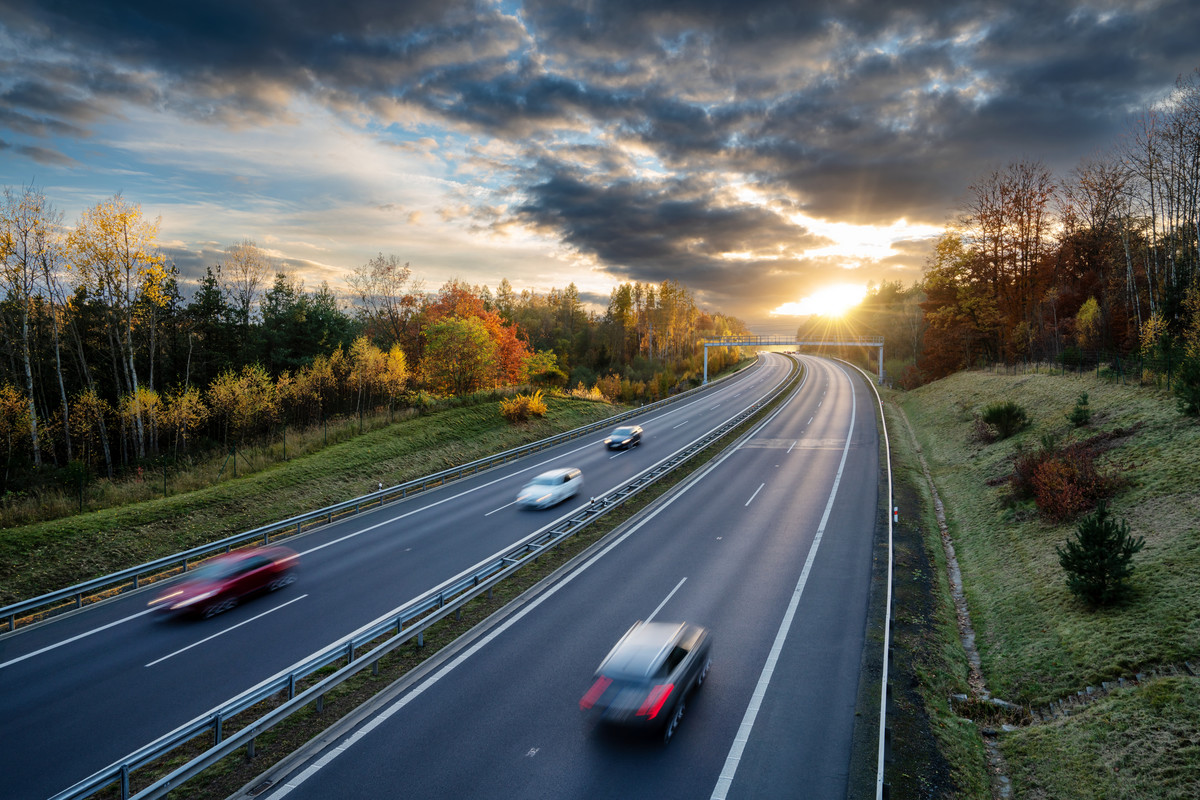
1094, 267
107, 365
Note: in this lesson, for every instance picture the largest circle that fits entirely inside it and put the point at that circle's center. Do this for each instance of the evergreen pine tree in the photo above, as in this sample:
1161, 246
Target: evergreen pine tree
1080, 415
1098, 560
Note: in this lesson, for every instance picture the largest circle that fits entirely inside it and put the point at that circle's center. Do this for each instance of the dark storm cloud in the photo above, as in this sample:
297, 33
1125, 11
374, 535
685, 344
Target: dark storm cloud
631, 117
652, 231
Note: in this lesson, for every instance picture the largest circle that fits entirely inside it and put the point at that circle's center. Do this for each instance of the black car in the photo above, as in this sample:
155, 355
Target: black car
624, 437
644, 680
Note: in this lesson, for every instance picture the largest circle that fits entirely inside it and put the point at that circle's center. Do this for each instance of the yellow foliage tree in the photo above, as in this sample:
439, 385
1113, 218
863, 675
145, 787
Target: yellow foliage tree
112, 254
183, 412
88, 414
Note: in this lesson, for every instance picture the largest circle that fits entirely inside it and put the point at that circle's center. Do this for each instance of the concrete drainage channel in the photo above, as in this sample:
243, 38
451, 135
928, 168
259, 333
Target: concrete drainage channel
396, 657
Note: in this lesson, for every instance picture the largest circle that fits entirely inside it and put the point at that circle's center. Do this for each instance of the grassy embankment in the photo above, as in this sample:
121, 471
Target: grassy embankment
41, 557
1037, 642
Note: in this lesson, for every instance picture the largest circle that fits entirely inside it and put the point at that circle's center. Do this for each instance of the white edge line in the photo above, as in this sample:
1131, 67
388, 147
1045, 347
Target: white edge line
725, 780
227, 630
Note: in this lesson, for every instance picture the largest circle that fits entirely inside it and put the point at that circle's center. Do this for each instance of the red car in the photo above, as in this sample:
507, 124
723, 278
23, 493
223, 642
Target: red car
223, 581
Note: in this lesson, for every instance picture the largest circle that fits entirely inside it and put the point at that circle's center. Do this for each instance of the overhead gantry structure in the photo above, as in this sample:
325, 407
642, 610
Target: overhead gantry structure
787, 341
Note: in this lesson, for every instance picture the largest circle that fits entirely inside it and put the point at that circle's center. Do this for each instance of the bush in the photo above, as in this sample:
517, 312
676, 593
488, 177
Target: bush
1080, 415
1007, 418
1062, 481
982, 432
522, 406
1098, 560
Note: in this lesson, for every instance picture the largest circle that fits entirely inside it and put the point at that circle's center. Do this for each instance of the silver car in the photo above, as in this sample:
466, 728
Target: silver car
644, 680
551, 488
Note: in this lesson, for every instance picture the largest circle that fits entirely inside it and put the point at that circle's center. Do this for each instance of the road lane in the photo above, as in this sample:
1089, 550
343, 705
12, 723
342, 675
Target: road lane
116, 680
506, 722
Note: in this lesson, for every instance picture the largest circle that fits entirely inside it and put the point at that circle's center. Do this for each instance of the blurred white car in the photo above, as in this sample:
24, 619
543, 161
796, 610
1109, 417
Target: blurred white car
551, 488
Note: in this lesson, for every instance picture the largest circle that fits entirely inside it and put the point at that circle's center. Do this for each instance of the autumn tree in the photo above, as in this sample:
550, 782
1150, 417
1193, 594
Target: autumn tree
962, 319
14, 411
183, 414
460, 355
390, 299
245, 271
28, 240
113, 255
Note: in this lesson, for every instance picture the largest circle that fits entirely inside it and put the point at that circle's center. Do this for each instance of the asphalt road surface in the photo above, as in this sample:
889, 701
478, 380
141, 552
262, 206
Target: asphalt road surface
770, 548
82, 691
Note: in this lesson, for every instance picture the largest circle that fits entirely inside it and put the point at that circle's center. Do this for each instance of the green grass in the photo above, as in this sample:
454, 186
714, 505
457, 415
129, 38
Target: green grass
1039, 643
1133, 744
929, 663
42, 557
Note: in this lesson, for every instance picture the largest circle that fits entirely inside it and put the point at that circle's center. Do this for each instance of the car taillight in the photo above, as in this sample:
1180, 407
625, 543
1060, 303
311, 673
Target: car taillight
654, 701
593, 694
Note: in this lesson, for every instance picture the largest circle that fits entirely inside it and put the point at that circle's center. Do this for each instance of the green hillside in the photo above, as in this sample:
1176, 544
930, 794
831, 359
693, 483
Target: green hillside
1038, 644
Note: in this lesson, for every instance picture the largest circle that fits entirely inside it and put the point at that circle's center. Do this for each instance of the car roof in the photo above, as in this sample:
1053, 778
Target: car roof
643, 648
556, 473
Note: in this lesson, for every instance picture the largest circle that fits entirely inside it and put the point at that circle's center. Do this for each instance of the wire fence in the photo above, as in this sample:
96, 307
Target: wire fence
1130, 369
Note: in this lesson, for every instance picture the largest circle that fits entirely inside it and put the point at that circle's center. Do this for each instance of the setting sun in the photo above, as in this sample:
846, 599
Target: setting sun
832, 301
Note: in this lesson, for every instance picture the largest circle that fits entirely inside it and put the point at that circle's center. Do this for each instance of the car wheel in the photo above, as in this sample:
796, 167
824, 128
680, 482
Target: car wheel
704, 672
219, 607
669, 731
282, 581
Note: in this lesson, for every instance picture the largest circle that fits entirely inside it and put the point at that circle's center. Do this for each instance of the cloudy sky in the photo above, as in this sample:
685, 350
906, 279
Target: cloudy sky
755, 150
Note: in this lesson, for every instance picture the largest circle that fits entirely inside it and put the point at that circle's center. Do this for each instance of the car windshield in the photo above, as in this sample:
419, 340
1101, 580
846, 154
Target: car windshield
545, 480
214, 571
622, 432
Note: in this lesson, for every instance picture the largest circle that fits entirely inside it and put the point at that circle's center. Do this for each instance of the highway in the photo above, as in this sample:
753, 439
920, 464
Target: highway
769, 547
84, 690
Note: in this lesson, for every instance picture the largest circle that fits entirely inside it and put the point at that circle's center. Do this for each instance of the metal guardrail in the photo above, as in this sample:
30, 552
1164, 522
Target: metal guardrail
95, 590
418, 614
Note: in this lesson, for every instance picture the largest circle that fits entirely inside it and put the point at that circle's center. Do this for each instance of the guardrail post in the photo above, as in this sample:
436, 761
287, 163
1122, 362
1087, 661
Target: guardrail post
79, 599
124, 782
349, 652
291, 686
420, 638
217, 728
250, 747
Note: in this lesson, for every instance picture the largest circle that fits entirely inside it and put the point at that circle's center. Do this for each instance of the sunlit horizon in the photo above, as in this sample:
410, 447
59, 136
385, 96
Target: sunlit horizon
831, 301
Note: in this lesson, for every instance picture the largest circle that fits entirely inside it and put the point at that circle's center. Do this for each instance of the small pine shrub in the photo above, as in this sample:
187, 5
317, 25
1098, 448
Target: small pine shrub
1007, 418
1187, 387
1099, 559
1082, 414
